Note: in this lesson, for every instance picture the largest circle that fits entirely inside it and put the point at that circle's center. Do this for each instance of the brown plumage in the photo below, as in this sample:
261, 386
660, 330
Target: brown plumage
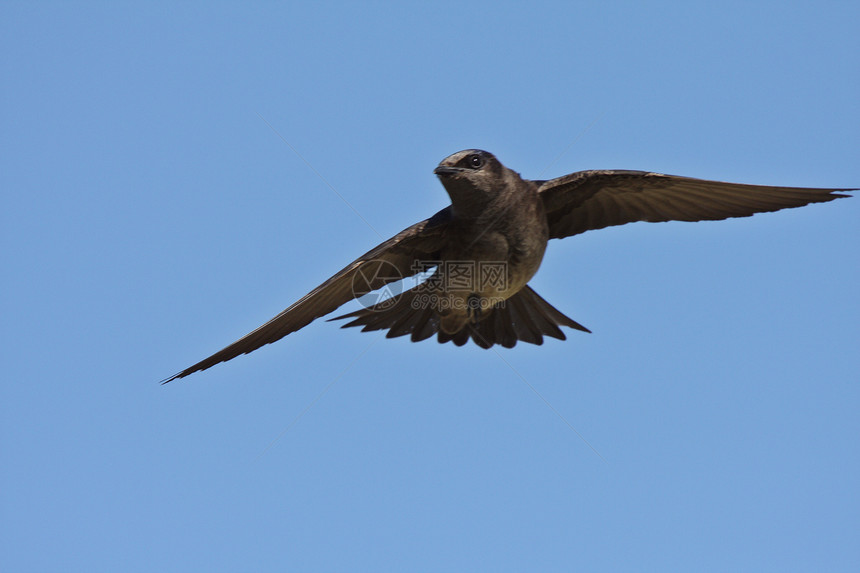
496, 217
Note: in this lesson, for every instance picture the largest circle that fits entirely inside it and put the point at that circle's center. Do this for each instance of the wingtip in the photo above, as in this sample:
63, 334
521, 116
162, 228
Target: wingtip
171, 378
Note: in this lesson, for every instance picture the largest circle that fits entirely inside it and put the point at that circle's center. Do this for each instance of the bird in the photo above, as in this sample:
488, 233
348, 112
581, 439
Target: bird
478, 254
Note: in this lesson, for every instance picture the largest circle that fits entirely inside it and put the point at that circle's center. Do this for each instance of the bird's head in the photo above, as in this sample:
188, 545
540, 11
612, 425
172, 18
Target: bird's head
474, 179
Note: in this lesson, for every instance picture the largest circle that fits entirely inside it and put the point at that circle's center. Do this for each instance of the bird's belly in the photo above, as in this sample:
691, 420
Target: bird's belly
492, 268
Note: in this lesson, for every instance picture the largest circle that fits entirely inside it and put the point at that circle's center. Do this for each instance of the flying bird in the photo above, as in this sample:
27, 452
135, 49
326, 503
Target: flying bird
479, 253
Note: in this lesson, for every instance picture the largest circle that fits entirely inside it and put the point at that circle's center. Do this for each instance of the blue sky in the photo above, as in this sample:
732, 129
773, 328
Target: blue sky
151, 216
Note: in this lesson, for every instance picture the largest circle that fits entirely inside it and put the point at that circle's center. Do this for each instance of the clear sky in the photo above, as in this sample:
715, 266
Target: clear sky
150, 216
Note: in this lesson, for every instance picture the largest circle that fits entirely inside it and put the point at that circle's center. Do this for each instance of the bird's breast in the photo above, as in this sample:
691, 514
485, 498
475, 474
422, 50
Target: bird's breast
494, 264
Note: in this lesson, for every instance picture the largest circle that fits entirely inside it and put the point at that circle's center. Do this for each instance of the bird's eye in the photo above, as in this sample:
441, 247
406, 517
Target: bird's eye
476, 161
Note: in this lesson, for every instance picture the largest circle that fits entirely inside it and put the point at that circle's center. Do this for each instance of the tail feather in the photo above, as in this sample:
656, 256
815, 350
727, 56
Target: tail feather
427, 326
548, 316
553, 313
524, 326
483, 333
524, 317
461, 338
405, 323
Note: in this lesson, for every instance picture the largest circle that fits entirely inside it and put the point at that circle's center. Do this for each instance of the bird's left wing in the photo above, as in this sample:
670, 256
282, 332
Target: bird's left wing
588, 200
372, 270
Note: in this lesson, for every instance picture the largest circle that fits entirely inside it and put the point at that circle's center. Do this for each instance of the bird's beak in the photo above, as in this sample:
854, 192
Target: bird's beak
447, 170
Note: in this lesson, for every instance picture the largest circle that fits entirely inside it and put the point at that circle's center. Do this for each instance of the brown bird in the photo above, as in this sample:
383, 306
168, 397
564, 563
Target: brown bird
487, 245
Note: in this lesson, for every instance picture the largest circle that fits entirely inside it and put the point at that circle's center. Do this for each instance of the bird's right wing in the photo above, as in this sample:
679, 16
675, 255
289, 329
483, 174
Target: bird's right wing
589, 200
374, 269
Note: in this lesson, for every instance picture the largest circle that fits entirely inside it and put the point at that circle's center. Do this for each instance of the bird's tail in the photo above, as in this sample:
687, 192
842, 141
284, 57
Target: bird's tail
524, 316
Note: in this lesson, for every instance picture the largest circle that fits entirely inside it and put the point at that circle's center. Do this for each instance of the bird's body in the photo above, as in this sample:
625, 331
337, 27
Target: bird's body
508, 231
488, 244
